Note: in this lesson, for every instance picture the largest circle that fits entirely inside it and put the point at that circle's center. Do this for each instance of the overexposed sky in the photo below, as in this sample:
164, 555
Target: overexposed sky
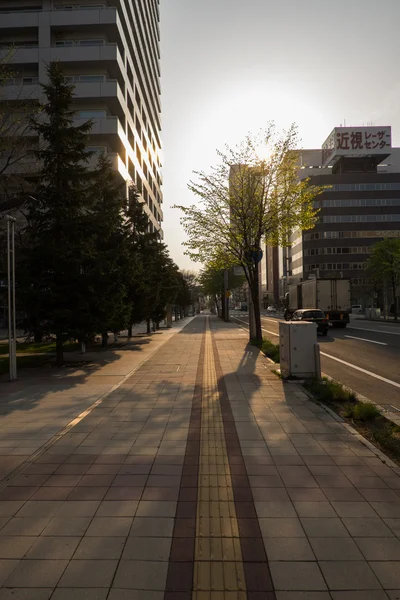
230, 66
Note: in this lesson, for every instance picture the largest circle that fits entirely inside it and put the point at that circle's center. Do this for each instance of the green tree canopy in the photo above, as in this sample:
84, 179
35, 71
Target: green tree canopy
57, 242
247, 200
383, 266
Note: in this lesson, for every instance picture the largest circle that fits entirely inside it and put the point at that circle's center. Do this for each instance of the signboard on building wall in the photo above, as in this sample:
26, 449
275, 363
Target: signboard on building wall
356, 141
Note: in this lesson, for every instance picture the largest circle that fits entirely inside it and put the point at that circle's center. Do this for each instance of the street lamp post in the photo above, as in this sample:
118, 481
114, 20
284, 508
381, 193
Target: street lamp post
12, 329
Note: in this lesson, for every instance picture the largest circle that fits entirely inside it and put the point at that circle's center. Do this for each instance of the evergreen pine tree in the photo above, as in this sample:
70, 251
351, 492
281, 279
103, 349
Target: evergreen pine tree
58, 242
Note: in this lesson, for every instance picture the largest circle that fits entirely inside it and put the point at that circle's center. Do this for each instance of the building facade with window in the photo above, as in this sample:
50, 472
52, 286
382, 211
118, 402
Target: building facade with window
360, 205
110, 50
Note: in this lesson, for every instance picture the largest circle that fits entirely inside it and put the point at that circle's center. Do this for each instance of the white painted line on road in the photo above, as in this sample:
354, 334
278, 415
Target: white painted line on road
386, 332
365, 340
343, 362
266, 330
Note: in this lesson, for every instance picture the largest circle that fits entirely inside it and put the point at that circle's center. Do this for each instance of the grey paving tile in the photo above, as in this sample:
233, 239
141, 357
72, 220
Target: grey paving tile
335, 549
94, 548
37, 573
26, 594
314, 509
80, 594
135, 595
15, 546
288, 549
297, 576
67, 526
303, 596
343, 494
275, 509
364, 595
140, 575
39, 508
8, 508
147, 549
388, 573
78, 508
88, 574
324, 527
367, 527
281, 527
379, 548
354, 509
152, 527
109, 526
25, 526
387, 510
349, 575
117, 508
7, 566
53, 548
148, 508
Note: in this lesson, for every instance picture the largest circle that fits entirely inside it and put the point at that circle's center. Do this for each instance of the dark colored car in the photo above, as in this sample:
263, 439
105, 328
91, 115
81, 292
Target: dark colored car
313, 315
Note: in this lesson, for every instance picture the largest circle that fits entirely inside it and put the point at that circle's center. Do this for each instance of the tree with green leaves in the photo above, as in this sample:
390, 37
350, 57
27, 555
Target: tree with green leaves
247, 200
53, 276
383, 266
211, 281
108, 256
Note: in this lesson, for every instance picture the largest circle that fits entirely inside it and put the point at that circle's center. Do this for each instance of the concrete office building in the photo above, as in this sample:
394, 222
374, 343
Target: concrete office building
361, 206
110, 50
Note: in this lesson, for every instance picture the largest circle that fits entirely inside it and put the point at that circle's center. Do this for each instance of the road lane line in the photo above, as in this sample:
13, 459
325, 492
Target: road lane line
365, 340
375, 375
374, 330
266, 330
343, 362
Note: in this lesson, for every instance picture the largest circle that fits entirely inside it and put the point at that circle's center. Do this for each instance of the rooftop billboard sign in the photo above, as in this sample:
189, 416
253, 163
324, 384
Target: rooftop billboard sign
356, 141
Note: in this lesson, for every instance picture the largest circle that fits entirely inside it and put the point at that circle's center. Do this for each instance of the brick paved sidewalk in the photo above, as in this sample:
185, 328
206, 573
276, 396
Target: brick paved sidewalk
204, 477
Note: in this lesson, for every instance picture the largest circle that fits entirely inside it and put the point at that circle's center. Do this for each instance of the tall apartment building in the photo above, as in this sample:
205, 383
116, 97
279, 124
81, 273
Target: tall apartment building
360, 206
110, 50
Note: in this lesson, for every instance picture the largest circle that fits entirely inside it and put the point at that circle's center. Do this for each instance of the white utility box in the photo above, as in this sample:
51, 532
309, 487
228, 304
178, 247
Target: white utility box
297, 344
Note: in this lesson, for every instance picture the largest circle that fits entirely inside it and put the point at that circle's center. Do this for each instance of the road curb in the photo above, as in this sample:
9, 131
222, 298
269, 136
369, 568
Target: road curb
378, 453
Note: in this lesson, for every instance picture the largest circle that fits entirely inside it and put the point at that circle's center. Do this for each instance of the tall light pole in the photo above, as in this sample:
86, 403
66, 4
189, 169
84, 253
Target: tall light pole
12, 329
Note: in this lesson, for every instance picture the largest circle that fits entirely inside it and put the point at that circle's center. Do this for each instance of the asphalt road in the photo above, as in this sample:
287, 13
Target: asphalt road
365, 356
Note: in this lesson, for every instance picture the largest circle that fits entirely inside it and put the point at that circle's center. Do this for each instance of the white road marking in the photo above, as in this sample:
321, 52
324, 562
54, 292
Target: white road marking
266, 330
365, 340
343, 362
386, 332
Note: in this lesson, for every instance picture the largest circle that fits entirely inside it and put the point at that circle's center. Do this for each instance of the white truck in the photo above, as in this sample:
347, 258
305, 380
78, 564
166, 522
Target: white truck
332, 296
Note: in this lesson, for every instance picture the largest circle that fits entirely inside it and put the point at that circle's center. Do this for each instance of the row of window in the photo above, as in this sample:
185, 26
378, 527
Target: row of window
350, 266
346, 250
85, 78
359, 281
361, 202
363, 187
332, 235
89, 42
360, 218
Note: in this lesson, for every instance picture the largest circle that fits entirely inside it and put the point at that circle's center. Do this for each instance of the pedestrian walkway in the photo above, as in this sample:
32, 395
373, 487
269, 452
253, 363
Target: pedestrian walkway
202, 476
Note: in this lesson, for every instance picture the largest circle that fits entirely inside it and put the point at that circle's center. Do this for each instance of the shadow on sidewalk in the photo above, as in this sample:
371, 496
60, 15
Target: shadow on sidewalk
34, 383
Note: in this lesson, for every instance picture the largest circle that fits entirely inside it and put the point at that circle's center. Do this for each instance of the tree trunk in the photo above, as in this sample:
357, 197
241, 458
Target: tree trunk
37, 336
394, 288
255, 295
104, 339
130, 331
59, 351
223, 305
148, 326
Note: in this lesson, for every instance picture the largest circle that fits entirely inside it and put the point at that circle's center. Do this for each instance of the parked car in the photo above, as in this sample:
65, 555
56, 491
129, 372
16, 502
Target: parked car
357, 308
271, 309
313, 315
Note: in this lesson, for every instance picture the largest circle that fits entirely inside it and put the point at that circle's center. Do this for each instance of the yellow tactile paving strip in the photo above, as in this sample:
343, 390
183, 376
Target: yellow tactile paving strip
218, 567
